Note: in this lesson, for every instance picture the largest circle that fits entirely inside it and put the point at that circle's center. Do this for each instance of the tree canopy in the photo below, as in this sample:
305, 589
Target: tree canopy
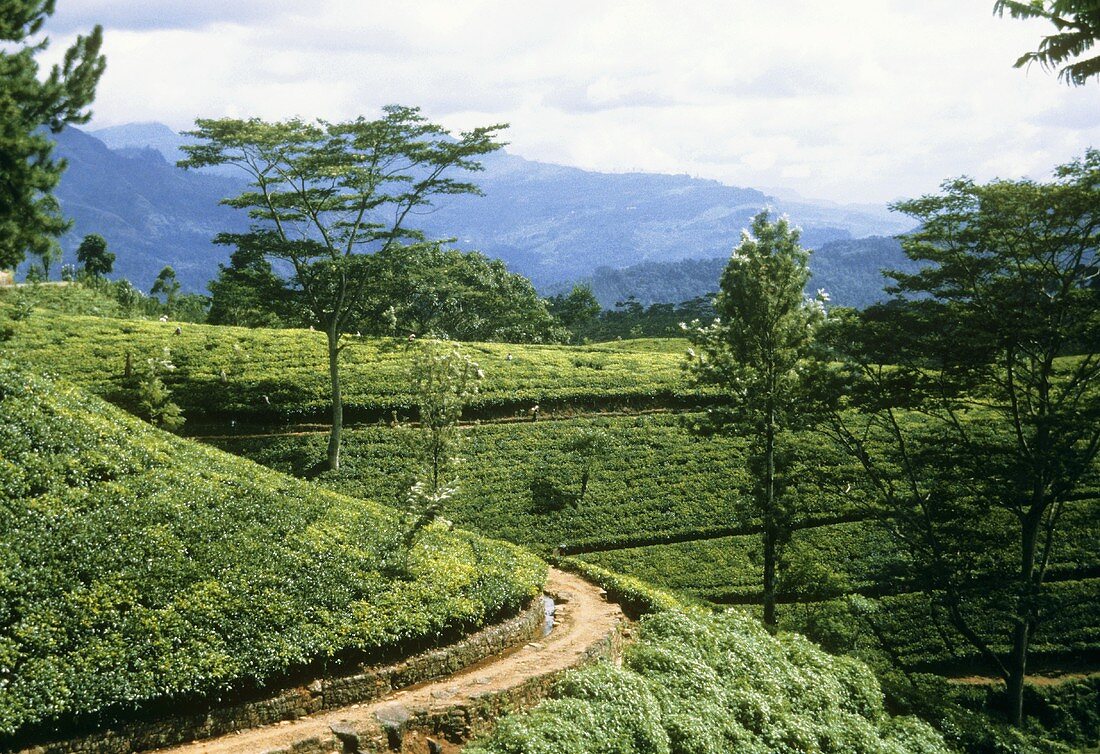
325, 195
429, 290
1077, 24
31, 107
755, 352
93, 254
978, 398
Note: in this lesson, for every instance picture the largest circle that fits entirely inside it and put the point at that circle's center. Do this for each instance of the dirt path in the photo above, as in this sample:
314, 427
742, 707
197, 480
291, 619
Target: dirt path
1044, 678
585, 625
320, 428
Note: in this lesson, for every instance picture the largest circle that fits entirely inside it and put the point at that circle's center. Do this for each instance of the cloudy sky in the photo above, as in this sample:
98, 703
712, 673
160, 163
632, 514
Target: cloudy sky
853, 100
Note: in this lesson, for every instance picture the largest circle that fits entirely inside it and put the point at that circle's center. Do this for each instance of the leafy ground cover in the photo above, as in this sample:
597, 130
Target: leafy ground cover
693, 682
139, 569
225, 373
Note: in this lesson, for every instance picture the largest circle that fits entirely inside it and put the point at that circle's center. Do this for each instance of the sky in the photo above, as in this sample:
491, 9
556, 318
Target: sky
844, 100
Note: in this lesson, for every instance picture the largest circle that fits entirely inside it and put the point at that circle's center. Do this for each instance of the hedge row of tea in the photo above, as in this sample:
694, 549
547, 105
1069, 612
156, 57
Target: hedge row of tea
825, 561
137, 568
700, 683
1070, 631
282, 375
655, 481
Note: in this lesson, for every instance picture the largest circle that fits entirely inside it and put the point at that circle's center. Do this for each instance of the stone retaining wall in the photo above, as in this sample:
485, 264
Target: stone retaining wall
368, 684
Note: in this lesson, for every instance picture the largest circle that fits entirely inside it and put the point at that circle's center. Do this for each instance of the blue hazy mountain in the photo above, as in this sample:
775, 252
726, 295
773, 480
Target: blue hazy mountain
555, 224
850, 270
151, 213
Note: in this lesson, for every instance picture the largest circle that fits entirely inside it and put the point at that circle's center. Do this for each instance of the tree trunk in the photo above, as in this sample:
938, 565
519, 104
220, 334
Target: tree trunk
337, 401
1025, 615
769, 517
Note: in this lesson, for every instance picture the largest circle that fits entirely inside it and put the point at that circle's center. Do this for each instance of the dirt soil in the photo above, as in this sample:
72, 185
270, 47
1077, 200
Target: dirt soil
1046, 678
583, 619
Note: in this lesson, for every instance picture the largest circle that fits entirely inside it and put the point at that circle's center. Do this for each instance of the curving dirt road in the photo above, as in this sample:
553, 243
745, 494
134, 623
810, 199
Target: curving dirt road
586, 625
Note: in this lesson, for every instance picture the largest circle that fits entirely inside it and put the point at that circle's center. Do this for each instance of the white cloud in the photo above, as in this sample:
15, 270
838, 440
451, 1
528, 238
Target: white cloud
866, 100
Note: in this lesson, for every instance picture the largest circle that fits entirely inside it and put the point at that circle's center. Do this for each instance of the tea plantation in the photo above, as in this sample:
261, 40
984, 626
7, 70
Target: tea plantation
230, 373
140, 569
669, 507
663, 505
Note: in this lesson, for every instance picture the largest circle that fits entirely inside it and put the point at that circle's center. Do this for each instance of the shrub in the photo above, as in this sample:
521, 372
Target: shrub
696, 683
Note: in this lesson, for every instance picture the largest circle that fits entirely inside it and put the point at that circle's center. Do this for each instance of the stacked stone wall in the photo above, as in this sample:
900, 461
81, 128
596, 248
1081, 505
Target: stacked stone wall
365, 685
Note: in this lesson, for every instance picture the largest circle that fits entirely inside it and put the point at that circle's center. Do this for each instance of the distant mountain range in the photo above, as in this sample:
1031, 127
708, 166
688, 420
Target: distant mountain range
552, 223
849, 270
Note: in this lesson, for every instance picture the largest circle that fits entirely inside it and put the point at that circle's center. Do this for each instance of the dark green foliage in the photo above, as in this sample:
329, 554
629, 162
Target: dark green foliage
93, 255
248, 293
30, 108
757, 352
1078, 28
694, 683
428, 290
629, 319
969, 414
138, 567
166, 285
575, 310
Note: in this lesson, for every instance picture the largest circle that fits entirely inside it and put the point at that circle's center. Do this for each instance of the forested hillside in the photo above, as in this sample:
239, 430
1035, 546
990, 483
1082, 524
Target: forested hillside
548, 222
851, 270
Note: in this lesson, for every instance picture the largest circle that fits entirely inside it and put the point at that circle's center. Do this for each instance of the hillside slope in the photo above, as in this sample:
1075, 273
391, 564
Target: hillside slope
151, 213
142, 572
281, 375
849, 269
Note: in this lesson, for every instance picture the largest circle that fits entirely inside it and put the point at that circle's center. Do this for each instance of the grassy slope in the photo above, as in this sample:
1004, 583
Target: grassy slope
139, 568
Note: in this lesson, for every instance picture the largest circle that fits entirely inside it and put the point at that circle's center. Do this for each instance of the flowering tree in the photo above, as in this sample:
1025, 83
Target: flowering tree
756, 353
444, 380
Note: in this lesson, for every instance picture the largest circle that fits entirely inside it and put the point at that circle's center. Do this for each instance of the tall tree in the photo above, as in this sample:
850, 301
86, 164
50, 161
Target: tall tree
756, 352
248, 293
30, 108
166, 285
1078, 28
93, 254
324, 195
978, 397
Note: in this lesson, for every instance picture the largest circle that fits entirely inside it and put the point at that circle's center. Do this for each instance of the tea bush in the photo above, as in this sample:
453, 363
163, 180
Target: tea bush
138, 568
282, 375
